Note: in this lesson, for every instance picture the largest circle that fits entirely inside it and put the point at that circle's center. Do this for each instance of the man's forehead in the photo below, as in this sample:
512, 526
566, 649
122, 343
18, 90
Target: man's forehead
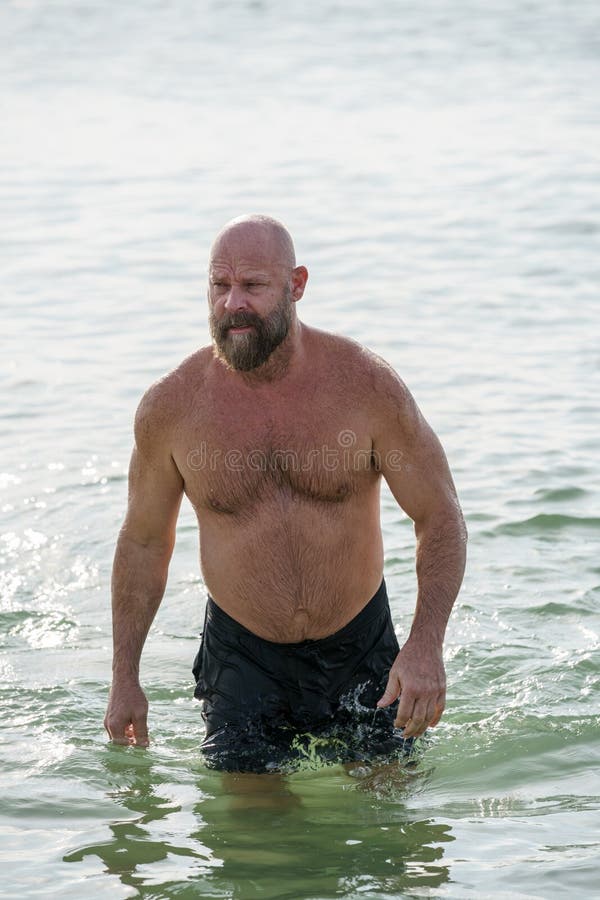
244, 260
241, 264
254, 244
222, 268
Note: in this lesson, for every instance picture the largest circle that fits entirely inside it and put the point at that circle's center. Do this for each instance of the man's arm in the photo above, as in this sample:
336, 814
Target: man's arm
140, 566
415, 467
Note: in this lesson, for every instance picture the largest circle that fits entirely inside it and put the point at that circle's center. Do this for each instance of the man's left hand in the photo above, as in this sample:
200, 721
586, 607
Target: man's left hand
419, 679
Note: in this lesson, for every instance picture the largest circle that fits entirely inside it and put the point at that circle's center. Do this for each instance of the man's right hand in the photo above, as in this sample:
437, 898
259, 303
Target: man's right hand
127, 714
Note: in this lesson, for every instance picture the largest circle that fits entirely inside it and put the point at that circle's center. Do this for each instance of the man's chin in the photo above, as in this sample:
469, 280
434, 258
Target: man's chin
235, 362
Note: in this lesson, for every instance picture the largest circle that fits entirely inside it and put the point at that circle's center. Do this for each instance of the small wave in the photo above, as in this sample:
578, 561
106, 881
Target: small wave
49, 628
581, 227
559, 494
545, 522
553, 609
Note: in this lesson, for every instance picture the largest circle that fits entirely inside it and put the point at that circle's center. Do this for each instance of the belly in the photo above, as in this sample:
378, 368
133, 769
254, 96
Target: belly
295, 569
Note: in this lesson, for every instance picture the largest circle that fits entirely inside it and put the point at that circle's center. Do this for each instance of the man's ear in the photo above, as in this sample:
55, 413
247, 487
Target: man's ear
299, 279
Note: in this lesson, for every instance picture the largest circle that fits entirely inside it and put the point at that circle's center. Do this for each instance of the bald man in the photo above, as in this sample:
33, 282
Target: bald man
279, 434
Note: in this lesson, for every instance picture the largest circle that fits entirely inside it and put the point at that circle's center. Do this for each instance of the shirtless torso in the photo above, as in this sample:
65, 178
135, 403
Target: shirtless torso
285, 486
282, 464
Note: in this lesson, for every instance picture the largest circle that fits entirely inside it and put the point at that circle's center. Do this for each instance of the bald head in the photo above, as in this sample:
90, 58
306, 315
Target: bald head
256, 237
253, 284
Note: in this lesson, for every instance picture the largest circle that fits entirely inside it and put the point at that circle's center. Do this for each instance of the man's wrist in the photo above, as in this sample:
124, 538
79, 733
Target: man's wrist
427, 636
126, 672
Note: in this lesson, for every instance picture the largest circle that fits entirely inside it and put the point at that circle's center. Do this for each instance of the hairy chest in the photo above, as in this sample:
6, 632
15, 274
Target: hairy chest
233, 457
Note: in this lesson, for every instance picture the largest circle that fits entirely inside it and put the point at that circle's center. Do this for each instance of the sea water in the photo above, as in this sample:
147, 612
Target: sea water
439, 167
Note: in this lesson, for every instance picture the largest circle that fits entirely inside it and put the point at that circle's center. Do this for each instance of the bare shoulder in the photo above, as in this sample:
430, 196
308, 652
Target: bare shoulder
362, 368
162, 404
389, 390
325, 347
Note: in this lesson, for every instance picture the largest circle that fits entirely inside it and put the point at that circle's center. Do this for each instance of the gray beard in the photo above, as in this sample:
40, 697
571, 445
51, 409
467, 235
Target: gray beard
248, 351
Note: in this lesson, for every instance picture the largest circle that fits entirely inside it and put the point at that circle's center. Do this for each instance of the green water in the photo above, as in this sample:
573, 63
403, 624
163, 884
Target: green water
496, 804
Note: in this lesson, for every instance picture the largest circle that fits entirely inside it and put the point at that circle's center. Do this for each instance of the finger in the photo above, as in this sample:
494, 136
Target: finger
405, 709
392, 691
119, 735
417, 723
438, 711
413, 729
430, 713
120, 731
139, 731
115, 731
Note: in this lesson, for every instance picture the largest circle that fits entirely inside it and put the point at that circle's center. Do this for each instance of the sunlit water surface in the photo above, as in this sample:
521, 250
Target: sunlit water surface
439, 166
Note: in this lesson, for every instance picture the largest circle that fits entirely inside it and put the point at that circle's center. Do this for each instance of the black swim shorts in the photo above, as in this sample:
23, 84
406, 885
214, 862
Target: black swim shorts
270, 706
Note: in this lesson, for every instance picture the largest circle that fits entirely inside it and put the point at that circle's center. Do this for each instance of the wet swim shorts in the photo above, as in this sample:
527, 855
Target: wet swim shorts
270, 706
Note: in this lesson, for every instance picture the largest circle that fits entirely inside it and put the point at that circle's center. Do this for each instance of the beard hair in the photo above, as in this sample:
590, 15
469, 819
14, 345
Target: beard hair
248, 351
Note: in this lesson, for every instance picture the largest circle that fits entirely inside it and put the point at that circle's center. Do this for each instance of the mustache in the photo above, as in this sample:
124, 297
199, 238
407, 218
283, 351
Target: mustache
238, 320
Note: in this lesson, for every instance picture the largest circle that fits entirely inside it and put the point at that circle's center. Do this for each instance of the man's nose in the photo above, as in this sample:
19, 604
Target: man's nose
236, 299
